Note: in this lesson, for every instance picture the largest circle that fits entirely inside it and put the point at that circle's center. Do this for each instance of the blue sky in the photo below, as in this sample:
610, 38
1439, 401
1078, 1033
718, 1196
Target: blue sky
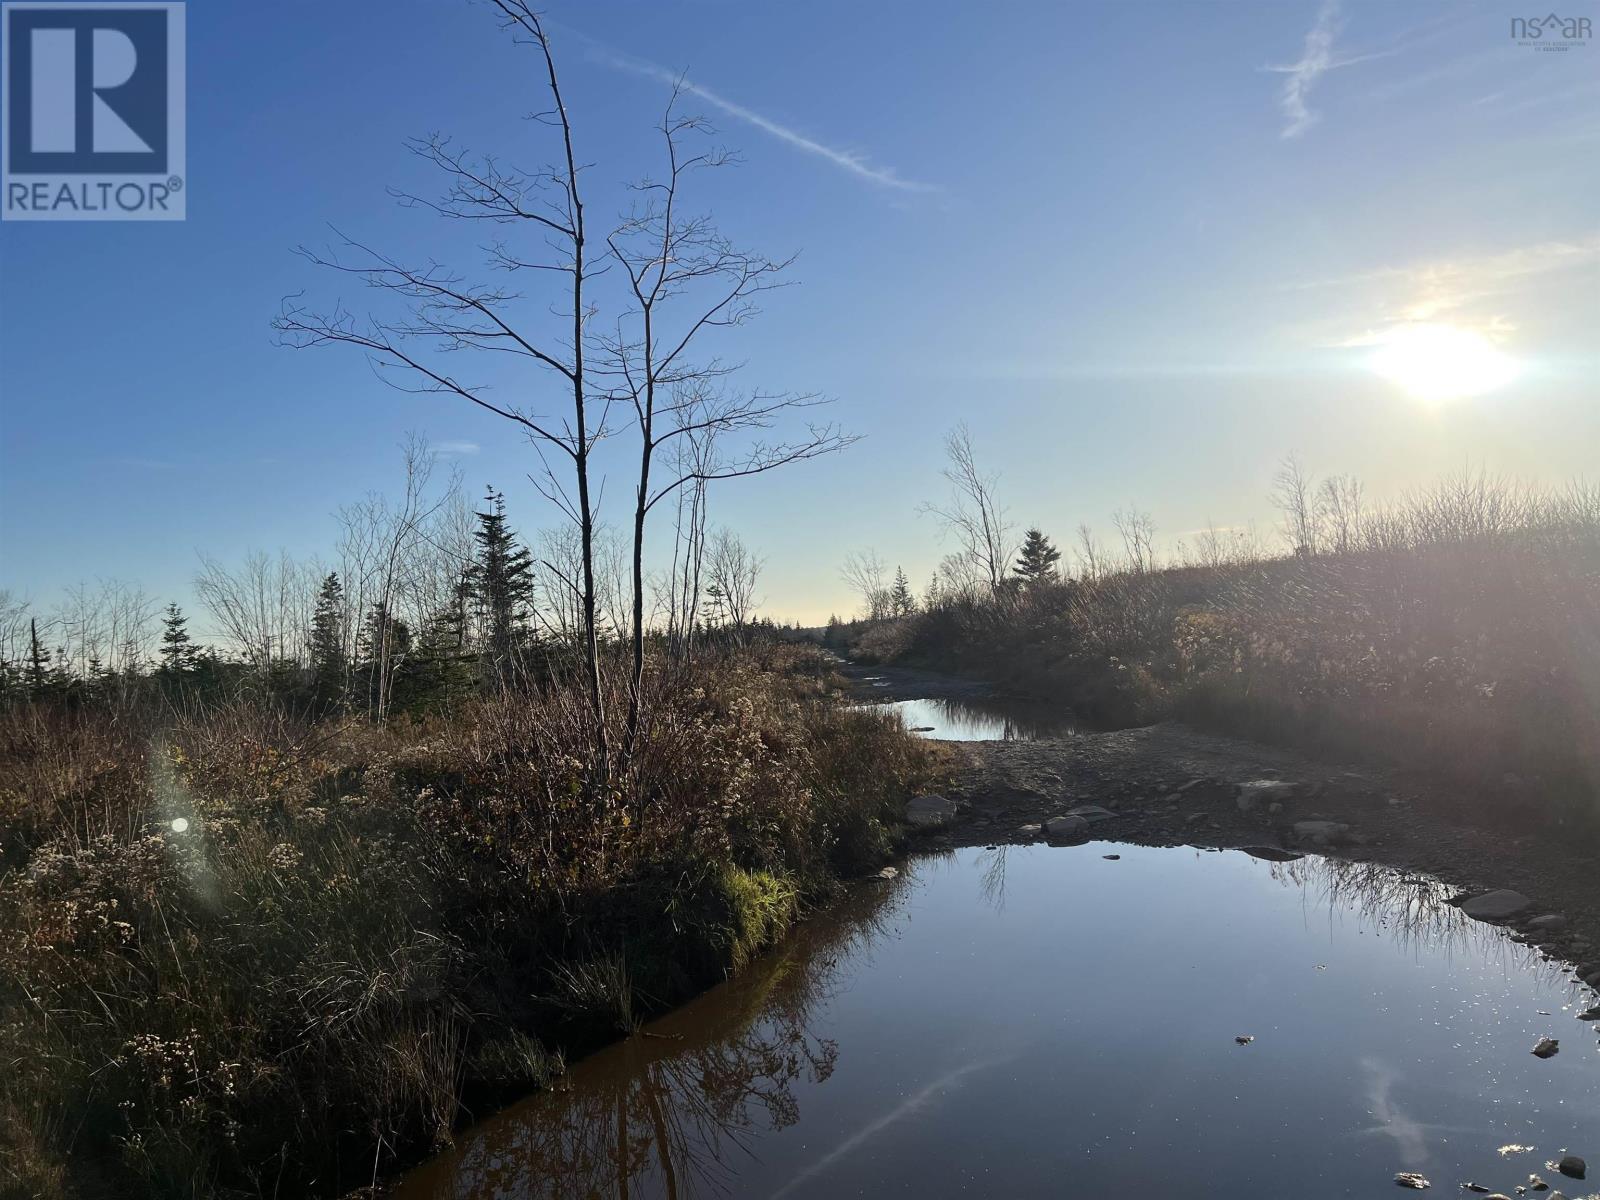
1143, 250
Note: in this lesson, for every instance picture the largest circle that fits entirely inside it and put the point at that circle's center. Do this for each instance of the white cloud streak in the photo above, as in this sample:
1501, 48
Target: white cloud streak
846, 160
1316, 60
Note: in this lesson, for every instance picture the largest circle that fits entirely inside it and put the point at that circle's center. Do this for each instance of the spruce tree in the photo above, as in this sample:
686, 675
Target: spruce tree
901, 602
502, 580
441, 671
39, 674
1038, 559
177, 649
328, 664
384, 648
716, 606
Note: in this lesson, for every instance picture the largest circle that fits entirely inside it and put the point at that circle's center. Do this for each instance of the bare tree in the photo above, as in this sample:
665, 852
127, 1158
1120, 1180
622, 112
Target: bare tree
973, 514
263, 607
735, 570
402, 561
1340, 504
449, 315
686, 279
866, 575
1294, 494
688, 548
104, 630
1138, 531
1091, 554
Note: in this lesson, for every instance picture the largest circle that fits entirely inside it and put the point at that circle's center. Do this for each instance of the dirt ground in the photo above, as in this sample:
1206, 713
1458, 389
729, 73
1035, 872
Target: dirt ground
1169, 785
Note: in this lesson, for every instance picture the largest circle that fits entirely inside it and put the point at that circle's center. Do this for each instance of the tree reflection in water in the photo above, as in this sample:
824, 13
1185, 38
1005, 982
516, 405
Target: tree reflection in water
676, 1111
663, 1112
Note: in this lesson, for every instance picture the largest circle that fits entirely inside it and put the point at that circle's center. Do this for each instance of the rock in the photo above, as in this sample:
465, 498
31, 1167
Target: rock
1411, 1179
1030, 831
1546, 1048
1258, 793
1244, 1039
1274, 808
1321, 833
1535, 1184
1271, 853
887, 873
920, 729
1593, 978
1205, 791
1494, 906
931, 812
1573, 1167
1092, 813
1548, 921
1062, 828
1111, 857
1590, 1014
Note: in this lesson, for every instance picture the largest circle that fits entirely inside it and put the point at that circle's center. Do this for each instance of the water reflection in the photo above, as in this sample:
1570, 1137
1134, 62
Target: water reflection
984, 719
1024, 1020
674, 1112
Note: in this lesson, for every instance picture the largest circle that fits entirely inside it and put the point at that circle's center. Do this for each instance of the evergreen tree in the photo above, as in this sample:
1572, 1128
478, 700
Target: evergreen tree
441, 670
901, 602
177, 649
39, 673
385, 650
716, 606
502, 580
1038, 559
328, 664
383, 633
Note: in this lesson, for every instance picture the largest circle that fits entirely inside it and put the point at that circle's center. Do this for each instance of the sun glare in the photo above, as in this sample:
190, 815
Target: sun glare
1442, 362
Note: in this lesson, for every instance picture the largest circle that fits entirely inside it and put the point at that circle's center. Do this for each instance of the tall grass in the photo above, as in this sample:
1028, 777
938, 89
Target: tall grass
1457, 631
247, 954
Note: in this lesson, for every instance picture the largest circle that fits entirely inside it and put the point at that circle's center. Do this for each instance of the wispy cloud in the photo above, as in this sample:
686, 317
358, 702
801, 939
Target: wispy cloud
1457, 281
1316, 60
1473, 291
455, 449
855, 163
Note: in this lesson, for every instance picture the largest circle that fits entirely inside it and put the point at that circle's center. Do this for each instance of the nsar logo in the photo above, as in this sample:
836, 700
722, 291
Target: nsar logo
1552, 32
94, 112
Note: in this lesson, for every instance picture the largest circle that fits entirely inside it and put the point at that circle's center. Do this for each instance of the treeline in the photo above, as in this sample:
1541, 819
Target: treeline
434, 599
1455, 630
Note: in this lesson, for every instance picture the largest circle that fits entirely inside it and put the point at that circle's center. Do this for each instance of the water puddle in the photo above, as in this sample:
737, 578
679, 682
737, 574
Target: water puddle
981, 720
1045, 1021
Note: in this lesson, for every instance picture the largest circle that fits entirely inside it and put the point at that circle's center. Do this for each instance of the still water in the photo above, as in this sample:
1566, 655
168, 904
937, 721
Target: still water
981, 719
1043, 1021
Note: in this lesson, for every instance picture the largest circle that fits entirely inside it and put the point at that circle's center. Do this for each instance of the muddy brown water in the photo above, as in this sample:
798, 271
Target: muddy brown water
1044, 1021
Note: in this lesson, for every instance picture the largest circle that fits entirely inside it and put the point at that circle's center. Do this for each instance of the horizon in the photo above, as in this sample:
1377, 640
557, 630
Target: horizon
1142, 254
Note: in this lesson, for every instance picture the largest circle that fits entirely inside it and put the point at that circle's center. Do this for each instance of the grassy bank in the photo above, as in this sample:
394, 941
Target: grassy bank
1457, 633
243, 953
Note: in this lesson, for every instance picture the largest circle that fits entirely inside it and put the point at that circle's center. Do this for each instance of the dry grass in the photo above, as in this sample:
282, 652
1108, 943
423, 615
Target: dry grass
1458, 632
362, 928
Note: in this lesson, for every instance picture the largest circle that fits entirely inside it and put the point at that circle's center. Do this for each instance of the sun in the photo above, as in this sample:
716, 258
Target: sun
1442, 362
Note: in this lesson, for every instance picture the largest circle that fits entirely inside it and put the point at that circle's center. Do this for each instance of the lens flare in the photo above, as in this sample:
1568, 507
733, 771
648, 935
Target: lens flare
180, 824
